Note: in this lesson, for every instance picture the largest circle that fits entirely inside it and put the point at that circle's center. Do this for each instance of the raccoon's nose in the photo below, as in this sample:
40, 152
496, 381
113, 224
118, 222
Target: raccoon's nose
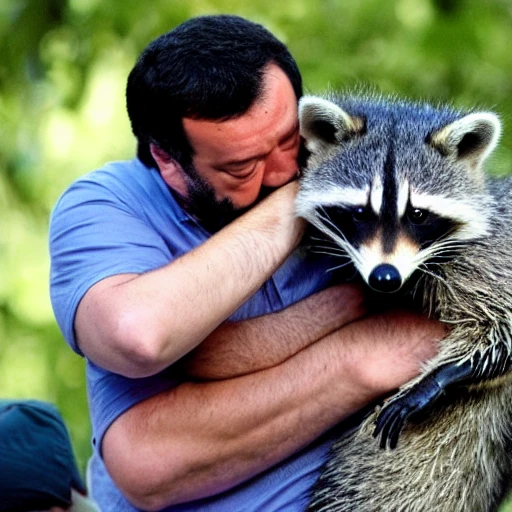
385, 278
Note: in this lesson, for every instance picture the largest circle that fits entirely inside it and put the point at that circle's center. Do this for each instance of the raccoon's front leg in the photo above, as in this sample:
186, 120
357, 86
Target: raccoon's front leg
494, 361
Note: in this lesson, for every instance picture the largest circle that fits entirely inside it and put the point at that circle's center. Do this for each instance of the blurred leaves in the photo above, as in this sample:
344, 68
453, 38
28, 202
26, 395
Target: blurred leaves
63, 66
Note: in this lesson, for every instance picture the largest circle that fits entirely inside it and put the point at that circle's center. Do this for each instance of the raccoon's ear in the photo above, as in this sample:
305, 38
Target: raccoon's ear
324, 125
471, 138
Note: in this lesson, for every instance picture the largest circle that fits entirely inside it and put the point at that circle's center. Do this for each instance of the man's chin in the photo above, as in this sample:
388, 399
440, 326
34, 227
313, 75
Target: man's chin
214, 214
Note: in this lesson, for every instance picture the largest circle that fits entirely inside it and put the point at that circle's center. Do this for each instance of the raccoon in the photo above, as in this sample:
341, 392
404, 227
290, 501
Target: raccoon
396, 189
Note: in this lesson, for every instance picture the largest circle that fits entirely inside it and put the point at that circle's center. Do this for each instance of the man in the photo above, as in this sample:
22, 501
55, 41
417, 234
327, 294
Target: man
218, 358
37, 466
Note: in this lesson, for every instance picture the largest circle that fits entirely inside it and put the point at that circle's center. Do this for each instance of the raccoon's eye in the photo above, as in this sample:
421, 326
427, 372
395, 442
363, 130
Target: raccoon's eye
361, 214
417, 215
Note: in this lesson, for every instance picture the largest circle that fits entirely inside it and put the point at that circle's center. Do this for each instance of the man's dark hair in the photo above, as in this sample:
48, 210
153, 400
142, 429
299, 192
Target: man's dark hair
209, 67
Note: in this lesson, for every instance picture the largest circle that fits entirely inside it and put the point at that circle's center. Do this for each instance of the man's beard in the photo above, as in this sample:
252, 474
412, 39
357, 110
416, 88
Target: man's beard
211, 213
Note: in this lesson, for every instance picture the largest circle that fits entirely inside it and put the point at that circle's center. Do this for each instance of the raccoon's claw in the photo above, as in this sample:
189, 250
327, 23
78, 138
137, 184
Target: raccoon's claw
390, 423
493, 362
399, 410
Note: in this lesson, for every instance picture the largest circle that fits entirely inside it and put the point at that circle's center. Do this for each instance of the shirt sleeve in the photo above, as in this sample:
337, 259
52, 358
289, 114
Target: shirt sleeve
97, 230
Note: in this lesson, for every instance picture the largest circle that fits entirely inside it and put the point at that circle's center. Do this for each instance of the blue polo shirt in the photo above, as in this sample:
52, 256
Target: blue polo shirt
123, 219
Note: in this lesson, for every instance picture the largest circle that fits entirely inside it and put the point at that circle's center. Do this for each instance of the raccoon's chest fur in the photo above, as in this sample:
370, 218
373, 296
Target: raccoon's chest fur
398, 191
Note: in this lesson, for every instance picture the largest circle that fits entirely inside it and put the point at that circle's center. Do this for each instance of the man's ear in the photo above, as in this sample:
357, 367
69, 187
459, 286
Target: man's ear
158, 154
170, 170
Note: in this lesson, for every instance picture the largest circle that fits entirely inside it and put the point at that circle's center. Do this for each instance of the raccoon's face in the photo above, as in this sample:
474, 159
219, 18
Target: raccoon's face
390, 193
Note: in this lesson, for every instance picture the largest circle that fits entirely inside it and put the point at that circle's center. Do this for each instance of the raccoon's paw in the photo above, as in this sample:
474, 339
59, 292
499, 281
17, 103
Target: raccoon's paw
395, 414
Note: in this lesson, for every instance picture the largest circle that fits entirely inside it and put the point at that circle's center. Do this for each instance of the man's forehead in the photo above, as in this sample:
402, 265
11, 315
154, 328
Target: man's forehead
223, 139
267, 121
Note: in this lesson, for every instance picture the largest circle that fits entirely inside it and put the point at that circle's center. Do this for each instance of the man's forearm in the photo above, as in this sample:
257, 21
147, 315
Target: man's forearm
137, 325
235, 349
202, 438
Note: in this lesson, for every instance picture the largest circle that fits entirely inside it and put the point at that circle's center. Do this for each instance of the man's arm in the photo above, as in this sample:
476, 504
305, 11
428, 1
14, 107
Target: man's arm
238, 348
202, 438
137, 325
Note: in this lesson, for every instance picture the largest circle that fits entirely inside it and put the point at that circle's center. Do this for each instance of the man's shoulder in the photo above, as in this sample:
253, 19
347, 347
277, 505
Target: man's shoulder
126, 182
116, 177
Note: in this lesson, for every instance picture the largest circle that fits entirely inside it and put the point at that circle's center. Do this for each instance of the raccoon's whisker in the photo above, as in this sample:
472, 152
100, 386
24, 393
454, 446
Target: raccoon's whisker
343, 243
415, 288
329, 253
327, 221
446, 249
441, 250
447, 260
353, 255
446, 244
333, 248
425, 270
322, 239
334, 228
316, 241
337, 267
326, 226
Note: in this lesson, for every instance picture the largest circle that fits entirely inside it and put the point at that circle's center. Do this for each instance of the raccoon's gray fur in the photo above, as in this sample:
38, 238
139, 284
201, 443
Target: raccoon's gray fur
398, 190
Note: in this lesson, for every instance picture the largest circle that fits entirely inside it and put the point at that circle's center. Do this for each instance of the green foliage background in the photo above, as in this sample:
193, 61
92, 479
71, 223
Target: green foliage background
63, 66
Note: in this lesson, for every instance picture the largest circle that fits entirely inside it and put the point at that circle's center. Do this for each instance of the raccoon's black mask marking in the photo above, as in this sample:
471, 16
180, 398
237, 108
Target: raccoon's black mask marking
426, 227
360, 223
357, 223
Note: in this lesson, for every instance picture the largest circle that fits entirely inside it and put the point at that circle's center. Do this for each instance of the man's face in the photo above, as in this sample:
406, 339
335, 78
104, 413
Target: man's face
236, 161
